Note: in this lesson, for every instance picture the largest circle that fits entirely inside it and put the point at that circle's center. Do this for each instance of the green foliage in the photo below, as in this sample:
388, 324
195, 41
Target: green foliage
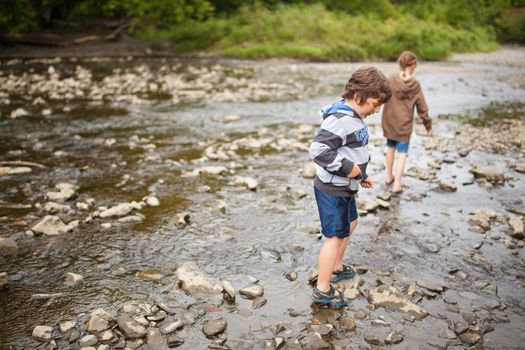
159, 13
313, 32
312, 29
16, 15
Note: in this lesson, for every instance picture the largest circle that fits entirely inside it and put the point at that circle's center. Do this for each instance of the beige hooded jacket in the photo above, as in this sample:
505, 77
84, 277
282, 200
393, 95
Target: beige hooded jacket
398, 112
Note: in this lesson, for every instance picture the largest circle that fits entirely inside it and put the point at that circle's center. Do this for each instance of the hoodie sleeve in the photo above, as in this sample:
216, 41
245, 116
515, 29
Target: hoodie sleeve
422, 109
323, 149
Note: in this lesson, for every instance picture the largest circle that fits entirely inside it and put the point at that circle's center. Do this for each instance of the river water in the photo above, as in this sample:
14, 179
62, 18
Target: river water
124, 129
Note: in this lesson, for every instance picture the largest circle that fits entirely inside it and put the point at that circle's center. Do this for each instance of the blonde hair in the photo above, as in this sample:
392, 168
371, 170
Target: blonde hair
406, 59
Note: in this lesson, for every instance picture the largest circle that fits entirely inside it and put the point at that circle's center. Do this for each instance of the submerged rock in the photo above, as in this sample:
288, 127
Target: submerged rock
65, 192
516, 225
214, 327
490, 174
120, 209
4, 171
448, 186
52, 225
308, 171
390, 298
100, 320
131, 328
73, 279
42, 332
247, 181
482, 218
394, 338
8, 245
3, 279
252, 291
194, 281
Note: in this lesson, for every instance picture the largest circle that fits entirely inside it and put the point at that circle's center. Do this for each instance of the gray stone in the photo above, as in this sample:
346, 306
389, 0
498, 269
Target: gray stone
322, 329
315, 341
73, 279
53, 208
448, 186
121, 209
66, 326
291, 276
470, 338
174, 341
171, 327
195, 282
490, 174
214, 327
229, 292
154, 340
131, 328
252, 291
42, 332
134, 344
388, 297
4, 278
65, 192
73, 336
308, 171
482, 218
8, 245
152, 201
51, 225
106, 336
516, 225
258, 302
14, 170
269, 344
460, 327
394, 338
100, 320
279, 342
250, 183
88, 340
370, 339
430, 286
347, 323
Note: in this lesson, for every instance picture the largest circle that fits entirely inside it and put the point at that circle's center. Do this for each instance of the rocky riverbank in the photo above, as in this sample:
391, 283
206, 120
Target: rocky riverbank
159, 204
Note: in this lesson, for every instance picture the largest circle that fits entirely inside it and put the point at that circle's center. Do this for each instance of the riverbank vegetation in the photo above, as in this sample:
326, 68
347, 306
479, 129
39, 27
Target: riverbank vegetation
334, 30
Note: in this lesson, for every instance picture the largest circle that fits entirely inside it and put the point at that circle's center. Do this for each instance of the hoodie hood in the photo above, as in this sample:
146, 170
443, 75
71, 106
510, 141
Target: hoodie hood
404, 89
338, 107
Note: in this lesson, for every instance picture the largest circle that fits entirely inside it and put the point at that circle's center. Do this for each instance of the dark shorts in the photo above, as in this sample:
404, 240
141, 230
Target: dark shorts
401, 147
336, 213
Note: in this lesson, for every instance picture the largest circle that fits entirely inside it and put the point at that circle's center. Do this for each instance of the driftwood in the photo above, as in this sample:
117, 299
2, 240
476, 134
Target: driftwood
58, 41
21, 162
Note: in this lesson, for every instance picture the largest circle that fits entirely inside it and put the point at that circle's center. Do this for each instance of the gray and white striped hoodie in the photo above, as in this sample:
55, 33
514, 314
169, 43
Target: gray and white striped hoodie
341, 142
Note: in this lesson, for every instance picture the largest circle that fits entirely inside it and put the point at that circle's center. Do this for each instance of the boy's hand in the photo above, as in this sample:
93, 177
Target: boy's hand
429, 133
356, 171
367, 183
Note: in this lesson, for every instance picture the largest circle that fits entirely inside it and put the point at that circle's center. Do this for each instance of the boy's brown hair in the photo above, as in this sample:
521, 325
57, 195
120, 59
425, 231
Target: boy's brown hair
368, 82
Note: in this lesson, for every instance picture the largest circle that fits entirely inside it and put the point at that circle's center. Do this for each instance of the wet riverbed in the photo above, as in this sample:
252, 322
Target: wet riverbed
122, 130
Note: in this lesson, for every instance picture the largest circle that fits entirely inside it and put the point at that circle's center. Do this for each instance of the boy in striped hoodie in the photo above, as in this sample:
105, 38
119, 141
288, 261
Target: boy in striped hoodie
340, 152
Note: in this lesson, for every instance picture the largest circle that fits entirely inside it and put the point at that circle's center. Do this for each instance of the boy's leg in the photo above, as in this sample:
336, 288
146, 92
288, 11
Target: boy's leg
389, 164
326, 262
400, 169
344, 244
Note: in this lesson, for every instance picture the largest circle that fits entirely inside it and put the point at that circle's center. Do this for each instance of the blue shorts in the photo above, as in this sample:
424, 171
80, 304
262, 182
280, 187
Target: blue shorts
336, 213
401, 147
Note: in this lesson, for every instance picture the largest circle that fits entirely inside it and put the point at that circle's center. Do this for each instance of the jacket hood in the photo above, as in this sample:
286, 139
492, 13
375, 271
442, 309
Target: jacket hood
404, 89
339, 106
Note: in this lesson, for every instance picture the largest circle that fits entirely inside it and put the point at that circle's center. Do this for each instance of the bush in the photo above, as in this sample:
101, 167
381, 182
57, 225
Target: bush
314, 32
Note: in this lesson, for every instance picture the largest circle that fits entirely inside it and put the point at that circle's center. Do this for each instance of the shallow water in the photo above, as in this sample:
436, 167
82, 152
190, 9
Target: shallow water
272, 98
